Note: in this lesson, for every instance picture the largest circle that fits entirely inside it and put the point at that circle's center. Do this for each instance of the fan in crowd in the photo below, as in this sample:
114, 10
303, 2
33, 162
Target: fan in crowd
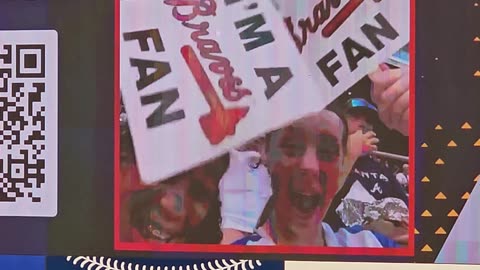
367, 181
391, 95
182, 209
304, 161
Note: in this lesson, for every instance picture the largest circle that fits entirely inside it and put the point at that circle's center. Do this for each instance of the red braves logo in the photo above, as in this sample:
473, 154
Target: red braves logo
321, 14
220, 122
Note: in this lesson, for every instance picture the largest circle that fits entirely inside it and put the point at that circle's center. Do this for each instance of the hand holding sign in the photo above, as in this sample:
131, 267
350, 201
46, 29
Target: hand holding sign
391, 94
342, 40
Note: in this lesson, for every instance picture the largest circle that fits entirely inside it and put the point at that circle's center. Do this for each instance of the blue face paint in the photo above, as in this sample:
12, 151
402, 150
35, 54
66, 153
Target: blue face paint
178, 203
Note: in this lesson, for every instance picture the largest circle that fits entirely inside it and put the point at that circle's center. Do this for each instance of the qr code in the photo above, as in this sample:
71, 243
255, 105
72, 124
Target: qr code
28, 123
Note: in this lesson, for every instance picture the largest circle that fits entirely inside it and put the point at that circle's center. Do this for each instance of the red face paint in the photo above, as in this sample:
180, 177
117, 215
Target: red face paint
306, 161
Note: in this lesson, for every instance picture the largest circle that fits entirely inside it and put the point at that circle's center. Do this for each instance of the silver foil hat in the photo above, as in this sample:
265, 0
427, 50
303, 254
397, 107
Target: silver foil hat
353, 212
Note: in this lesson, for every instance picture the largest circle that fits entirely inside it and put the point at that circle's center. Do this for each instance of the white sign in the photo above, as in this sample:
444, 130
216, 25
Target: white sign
344, 40
199, 77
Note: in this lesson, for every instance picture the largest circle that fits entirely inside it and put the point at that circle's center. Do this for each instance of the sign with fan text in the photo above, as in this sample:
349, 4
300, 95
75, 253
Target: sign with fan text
344, 40
201, 77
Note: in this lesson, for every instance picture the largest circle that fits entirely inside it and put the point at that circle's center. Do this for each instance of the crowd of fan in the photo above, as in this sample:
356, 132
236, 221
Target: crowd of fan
312, 183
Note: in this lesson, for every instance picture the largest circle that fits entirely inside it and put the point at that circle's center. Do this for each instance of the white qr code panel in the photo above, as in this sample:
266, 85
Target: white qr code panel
28, 123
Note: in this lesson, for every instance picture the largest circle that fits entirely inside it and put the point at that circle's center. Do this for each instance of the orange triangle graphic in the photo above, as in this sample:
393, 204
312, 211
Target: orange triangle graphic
466, 196
416, 231
427, 248
440, 231
425, 180
426, 213
424, 145
477, 74
476, 39
440, 196
466, 126
477, 178
452, 144
452, 213
439, 162
477, 143
438, 127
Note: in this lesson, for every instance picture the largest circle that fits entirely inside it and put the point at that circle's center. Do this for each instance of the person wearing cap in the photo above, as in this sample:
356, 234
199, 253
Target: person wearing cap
367, 181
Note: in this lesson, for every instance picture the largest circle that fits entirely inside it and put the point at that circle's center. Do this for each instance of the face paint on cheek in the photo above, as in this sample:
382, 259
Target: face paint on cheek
279, 177
178, 204
281, 173
332, 172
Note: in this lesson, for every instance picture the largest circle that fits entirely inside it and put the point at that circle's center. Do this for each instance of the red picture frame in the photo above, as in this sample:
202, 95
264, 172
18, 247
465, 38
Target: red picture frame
202, 248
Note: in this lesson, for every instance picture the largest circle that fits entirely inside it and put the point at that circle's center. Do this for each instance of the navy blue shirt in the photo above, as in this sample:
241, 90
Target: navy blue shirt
374, 178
